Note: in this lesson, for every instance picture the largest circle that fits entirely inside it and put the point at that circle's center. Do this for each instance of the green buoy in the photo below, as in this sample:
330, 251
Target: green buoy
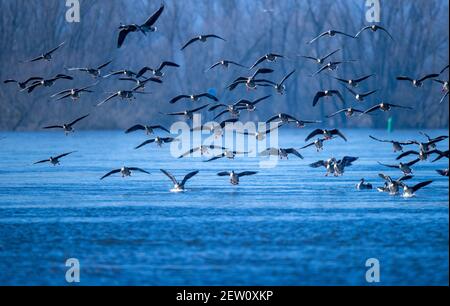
389, 125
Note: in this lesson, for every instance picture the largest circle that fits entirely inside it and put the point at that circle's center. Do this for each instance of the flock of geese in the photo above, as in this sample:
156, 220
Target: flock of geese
256, 77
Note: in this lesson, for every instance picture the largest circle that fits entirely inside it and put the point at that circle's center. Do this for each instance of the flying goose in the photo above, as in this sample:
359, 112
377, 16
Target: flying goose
194, 97
444, 172
148, 26
124, 94
234, 176
251, 105
158, 140
280, 87
327, 164
331, 66
251, 82
95, 72
270, 57
349, 112
422, 154
149, 129
225, 64
73, 93
142, 82
188, 114
54, 160
360, 96
385, 107
391, 185
260, 135
282, 118
327, 134
67, 127
326, 94
374, 28
363, 185
158, 71
445, 89
233, 109
330, 33
22, 85
203, 150
47, 56
441, 155
354, 82
201, 38
397, 145
124, 72
340, 165
226, 154
418, 82
216, 129
404, 167
321, 60
281, 153
124, 171
179, 186
46, 82
409, 192
431, 144
318, 144
302, 123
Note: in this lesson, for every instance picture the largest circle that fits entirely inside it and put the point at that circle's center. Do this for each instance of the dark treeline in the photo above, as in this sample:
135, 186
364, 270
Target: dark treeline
251, 28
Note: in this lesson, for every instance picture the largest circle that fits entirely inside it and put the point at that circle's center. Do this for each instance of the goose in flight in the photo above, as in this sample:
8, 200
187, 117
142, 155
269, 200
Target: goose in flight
330, 33
46, 82
216, 129
441, 155
94, 72
321, 60
363, 185
179, 186
67, 127
202, 149
282, 118
201, 38
349, 112
327, 164
149, 129
409, 192
225, 64
360, 97
124, 72
418, 82
24, 84
318, 144
148, 26
124, 94
432, 141
188, 114
73, 93
340, 165
327, 134
251, 105
233, 109
269, 57
404, 167
331, 66
124, 172
374, 28
326, 94
392, 186
444, 172
234, 176
445, 89
280, 87
281, 153
194, 97
158, 72
46, 56
397, 145
158, 140
421, 154
251, 82
385, 107
142, 82
354, 82
227, 154
260, 135
54, 160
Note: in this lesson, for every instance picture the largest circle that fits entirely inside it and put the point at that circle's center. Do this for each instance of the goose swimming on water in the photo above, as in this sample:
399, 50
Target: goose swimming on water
363, 185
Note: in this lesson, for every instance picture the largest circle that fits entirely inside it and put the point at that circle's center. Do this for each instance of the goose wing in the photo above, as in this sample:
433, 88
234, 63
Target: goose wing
287, 77
294, 152
178, 98
246, 173
139, 170
191, 41
122, 35
107, 99
407, 153
170, 176
153, 18
189, 176
145, 143
78, 120
135, 128
421, 185
110, 173
314, 133
338, 133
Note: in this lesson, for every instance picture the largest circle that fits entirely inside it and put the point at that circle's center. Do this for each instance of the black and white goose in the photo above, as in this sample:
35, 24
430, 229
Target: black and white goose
46, 82
327, 164
158, 140
404, 167
280, 87
327, 94
227, 154
54, 160
373, 28
148, 129
397, 145
46, 56
67, 127
318, 144
269, 57
179, 186
213, 127
235, 176
260, 135
363, 185
251, 105
354, 82
124, 94
330, 33
321, 60
73, 93
282, 118
349, 112
392, 186
123, 72
331, 66
158, 72
124, 172
251, 82
147, 26
189, 113
24, 84
141, 83
203, 149
445, 89
417, 82
194, 97
340, 165
431, 141
281, 153
409, 192
360, 97
327, 134
232, 109
386, 107
225, 64
94, 72
201, 38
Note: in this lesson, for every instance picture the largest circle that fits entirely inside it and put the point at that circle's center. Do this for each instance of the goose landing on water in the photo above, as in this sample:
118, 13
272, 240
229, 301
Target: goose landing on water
234, 177
179, 186
409, 192
54, 160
